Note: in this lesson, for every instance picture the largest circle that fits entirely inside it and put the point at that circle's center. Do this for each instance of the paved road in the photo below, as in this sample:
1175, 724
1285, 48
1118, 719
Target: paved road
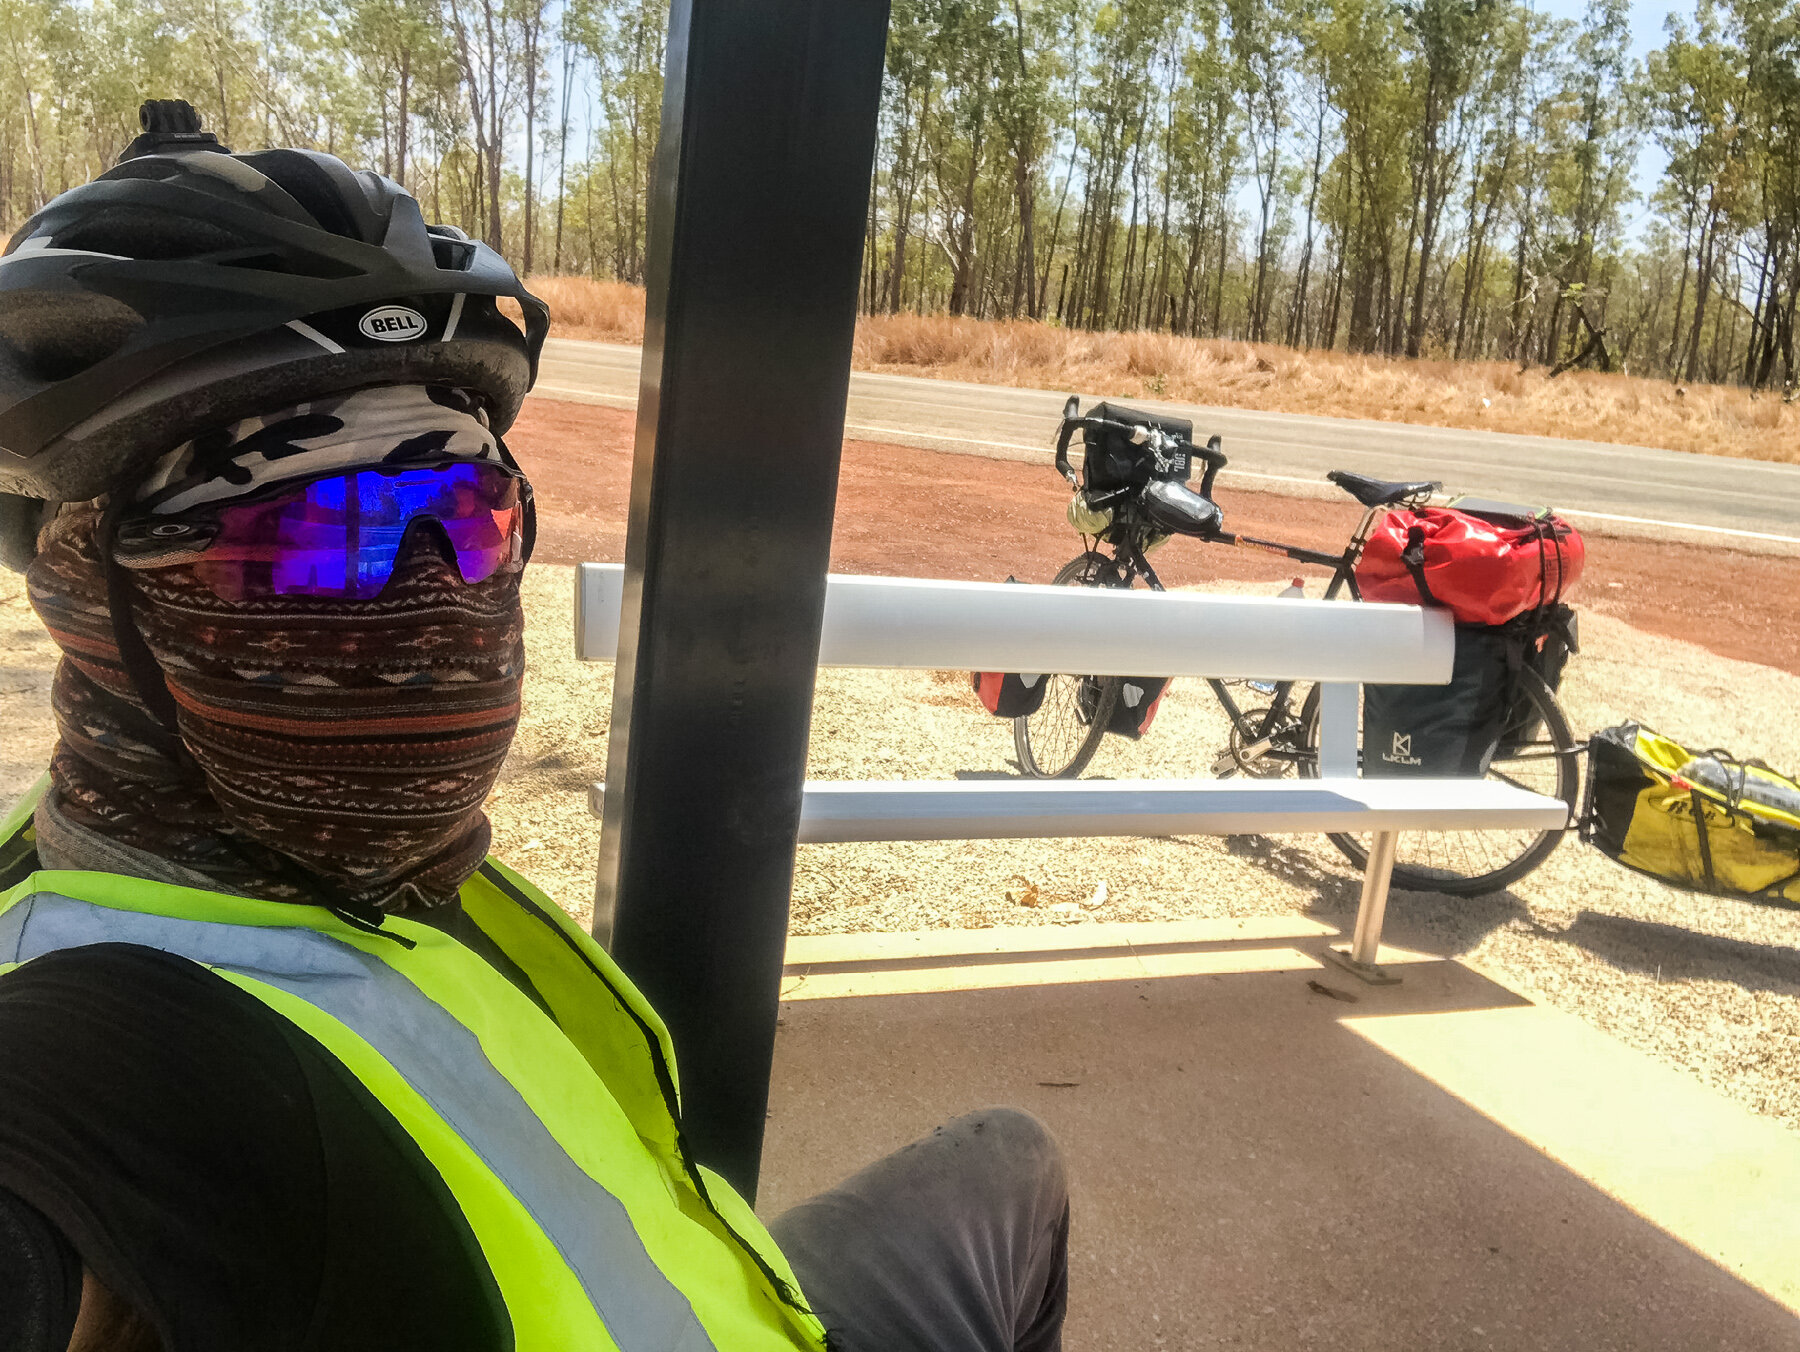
1633, 489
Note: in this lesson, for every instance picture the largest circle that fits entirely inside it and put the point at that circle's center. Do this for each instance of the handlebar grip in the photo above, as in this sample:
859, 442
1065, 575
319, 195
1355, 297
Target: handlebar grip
1215, 461
1062, 448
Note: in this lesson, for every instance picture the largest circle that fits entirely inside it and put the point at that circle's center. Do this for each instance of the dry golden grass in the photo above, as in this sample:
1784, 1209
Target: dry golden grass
1491, 396
610, 311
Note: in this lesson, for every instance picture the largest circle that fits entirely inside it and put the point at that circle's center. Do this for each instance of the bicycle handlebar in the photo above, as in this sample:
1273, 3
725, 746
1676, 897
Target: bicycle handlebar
1215, 461
1210, 454
1062, 450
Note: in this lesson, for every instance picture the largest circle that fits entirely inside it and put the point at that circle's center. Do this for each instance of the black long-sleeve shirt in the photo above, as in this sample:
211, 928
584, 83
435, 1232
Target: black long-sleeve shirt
221, 1171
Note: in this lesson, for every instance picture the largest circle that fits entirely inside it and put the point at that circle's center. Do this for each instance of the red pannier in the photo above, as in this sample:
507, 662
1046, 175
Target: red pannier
1488, 563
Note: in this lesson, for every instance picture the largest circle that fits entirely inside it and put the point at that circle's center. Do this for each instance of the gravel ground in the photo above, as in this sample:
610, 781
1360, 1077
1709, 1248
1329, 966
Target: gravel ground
1707, 984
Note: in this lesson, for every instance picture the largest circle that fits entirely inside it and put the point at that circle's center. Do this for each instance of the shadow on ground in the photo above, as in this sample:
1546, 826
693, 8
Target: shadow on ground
1249, 1171
1677, 954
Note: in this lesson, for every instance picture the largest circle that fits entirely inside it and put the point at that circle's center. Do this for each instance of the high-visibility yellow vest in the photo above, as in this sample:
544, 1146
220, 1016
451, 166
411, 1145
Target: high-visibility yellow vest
559, 1138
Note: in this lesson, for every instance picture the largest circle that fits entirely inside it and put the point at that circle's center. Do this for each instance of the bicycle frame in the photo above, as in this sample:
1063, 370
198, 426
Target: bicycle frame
1258, 738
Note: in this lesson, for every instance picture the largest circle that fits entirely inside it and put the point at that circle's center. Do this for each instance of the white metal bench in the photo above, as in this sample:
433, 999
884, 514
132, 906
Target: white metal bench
979, 626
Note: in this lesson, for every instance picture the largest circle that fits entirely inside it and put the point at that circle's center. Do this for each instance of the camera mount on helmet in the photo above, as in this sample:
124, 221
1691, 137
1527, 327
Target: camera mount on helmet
170, 125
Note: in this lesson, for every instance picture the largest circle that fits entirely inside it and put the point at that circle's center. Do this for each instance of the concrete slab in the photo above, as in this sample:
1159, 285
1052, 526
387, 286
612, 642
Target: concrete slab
1258, 1164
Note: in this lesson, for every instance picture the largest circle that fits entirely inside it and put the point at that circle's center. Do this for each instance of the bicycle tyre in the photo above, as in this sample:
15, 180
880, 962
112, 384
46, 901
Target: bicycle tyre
1551, 743
1067, 735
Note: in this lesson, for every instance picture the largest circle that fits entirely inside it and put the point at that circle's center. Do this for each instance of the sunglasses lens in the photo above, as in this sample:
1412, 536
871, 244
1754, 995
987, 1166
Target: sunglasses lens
342, 536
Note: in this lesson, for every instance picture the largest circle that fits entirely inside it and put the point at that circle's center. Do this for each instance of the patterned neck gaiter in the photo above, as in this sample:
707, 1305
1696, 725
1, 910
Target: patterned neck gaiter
334, 751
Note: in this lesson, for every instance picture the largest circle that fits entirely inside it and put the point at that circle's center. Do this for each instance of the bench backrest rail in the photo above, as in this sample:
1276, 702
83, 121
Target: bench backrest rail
985, 626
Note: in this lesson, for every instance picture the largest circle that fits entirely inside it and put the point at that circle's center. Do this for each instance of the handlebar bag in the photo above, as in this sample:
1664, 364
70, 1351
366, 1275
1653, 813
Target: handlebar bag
1008, 695
1704, 822
1442, 731
1486, 567
1135, 710
1111, 460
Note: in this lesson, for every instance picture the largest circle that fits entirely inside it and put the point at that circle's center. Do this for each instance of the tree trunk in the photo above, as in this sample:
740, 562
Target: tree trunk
531, 36
1687, 253
405, 115
562, 153
1702, 285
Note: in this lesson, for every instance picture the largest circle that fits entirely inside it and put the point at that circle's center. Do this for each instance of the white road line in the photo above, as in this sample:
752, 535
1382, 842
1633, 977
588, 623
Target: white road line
1682, 525
1045, 453
595, 396
954, 440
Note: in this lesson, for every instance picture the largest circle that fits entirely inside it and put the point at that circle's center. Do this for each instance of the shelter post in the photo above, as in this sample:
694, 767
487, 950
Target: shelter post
758, 201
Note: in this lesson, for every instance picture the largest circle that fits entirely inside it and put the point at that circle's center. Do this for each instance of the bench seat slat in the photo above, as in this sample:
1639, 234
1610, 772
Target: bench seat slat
839, 812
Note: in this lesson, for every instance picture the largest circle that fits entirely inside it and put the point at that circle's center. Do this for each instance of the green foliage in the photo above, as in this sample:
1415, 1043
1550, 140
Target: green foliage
1399, 176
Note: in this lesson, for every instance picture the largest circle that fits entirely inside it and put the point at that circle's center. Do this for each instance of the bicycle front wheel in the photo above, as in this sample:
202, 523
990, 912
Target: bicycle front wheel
1059, 740
1538, 753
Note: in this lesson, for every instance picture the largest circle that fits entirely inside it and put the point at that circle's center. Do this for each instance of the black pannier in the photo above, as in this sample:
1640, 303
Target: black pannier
1113, 461
1542, 640
1442, 731
1136, 708
1008, 694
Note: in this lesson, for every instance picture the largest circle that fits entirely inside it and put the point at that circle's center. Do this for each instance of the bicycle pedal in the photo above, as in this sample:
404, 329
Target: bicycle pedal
1225, 766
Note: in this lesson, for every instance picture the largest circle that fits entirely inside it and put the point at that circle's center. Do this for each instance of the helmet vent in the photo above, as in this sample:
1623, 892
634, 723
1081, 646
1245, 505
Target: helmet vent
295, 264
146, 234
452, 255
53, 335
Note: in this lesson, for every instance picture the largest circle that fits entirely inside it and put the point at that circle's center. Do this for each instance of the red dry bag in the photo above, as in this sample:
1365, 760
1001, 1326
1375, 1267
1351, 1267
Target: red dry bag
1487, 566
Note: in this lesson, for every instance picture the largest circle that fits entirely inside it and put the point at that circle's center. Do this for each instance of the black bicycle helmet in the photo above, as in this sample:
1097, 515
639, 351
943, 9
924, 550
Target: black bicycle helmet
189, 287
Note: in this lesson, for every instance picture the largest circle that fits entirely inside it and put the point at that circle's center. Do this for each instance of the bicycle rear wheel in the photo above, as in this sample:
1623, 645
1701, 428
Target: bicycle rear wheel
1059, 740
1538, 754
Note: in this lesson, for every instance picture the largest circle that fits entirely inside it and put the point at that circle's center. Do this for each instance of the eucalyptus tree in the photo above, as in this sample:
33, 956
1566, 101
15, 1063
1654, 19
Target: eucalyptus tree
1453, 41
1500, 98
402, 52
1264, 49
1204, 167
1768, 32
1361, 43
1697, 95
624, 41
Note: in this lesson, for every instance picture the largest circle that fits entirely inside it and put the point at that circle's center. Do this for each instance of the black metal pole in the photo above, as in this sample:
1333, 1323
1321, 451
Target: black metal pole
756, 224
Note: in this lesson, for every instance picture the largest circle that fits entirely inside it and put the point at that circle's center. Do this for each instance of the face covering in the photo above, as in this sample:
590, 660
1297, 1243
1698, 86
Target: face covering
330, 750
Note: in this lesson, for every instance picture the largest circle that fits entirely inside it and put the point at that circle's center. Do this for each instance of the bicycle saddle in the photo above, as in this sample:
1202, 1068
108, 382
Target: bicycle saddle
1379, 492
1177, 509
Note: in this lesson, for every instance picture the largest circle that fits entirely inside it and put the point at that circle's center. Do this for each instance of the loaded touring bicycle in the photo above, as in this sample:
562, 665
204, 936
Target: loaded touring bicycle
1498, 718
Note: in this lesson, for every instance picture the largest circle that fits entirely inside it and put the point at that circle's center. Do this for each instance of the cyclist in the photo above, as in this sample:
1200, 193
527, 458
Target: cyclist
285, 1060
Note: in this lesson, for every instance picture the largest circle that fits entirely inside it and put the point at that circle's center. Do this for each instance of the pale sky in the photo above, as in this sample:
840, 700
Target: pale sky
1646, 20
1647, 34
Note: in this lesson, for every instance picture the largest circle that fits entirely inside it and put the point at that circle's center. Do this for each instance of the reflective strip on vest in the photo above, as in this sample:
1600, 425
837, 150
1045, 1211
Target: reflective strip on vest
640, 1307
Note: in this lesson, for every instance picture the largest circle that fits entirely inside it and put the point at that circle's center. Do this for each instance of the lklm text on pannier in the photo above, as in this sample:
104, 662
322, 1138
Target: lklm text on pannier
1440, 731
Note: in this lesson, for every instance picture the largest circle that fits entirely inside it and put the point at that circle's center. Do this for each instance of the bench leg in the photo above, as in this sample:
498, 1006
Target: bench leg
1365, 941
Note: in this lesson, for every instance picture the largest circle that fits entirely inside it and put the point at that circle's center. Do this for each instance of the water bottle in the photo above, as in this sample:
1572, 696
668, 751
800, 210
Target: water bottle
1745, 783
1297, 587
